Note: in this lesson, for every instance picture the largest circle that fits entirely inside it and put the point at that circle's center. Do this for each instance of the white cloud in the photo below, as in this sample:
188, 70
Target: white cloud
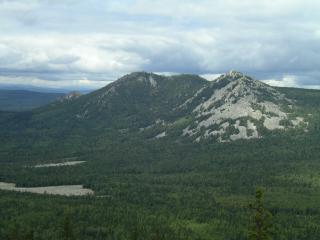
65, 52
9, 6
211, 76
112, 38
295, 81
286, 81
212, 9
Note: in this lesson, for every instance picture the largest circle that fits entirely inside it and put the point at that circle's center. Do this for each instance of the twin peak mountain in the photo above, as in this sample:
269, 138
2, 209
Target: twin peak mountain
231, 107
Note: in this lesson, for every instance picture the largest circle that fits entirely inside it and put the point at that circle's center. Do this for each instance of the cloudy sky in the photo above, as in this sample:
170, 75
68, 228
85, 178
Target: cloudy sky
86, 44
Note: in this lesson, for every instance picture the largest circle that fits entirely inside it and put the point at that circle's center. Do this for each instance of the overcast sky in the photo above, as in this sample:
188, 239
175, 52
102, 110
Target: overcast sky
86, 44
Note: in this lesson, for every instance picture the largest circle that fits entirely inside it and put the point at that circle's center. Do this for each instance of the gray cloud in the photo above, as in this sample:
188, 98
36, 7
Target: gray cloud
68, 40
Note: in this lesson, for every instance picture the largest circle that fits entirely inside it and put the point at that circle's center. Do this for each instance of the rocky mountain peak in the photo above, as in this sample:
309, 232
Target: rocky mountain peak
137, 76
147, 78
71, 96
236, 106
234, 74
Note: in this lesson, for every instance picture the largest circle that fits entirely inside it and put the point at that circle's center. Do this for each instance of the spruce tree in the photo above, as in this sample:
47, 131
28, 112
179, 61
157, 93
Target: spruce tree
262, 219
67, 233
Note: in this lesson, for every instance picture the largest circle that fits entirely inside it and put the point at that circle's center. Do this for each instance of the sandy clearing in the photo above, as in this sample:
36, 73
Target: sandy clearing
71, 163
64, 190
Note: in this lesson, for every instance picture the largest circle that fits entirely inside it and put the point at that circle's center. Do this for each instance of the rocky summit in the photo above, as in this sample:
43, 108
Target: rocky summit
235, 106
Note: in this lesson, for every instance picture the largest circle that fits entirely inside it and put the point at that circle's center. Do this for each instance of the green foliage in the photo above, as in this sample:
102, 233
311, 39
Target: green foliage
15, 231
67, 233
262, 219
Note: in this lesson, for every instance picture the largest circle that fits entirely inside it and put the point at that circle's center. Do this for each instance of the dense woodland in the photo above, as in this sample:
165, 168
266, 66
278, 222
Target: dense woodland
160, 189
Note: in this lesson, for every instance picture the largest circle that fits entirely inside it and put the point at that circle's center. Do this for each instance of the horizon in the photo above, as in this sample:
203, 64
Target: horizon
84, 90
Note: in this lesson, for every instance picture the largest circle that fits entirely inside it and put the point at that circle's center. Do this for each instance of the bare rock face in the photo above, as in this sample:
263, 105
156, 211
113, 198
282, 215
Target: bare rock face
71, 96
235, 106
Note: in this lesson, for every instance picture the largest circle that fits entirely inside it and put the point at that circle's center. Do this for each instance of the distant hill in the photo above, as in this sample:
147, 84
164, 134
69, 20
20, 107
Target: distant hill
22, 100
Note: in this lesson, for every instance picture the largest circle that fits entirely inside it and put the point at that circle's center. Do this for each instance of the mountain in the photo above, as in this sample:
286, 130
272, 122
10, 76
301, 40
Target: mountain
147, 106
232, 107
135, 99
21, 100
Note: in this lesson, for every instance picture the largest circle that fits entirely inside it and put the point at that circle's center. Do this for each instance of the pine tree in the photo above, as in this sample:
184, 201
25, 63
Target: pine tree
262, 219
29, 235
13, 231
67, 233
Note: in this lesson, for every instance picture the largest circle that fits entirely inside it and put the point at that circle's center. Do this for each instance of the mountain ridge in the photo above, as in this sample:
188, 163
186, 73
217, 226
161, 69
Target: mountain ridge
177, 108
207, 104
